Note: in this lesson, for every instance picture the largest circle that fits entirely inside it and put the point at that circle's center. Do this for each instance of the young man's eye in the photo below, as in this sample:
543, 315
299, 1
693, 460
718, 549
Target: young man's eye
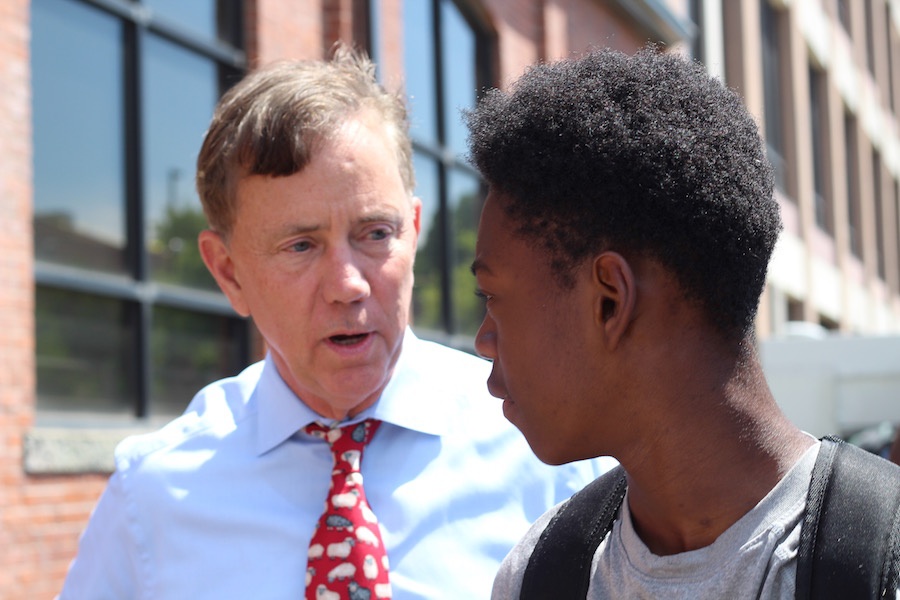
482, 295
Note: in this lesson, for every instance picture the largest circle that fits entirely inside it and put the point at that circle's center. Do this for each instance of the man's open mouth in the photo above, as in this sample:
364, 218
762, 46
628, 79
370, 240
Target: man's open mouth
348, 340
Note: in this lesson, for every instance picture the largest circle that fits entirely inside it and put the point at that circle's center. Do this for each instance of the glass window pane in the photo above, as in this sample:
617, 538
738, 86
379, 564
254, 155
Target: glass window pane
188, 351
427, 291
180, 91
460, 83
79, 181
465, 209
197, 15
419, 68
85, 353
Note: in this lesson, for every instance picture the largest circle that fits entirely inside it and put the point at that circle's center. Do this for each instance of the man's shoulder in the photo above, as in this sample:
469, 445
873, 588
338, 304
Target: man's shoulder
216, 410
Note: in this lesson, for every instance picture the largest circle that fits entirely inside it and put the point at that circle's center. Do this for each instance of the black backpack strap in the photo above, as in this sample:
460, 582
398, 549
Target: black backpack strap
850, 536
560, 564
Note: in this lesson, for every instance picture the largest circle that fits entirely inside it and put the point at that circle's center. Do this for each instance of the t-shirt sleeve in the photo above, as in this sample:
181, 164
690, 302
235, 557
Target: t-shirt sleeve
508, 581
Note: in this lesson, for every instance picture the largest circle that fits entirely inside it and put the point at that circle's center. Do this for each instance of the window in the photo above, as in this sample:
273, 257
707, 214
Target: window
854, 212
870, 36
795, 310
879, 215
819, 137
897, 227
770, 21
828, 324
128, 321
844, 14
892, 62
695, 10
892, 233
445, 57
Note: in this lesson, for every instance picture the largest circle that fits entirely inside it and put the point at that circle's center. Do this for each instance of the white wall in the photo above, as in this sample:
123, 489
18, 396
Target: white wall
835, 384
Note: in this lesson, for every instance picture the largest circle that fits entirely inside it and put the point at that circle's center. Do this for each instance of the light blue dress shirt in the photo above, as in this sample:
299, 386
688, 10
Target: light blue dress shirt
221, 503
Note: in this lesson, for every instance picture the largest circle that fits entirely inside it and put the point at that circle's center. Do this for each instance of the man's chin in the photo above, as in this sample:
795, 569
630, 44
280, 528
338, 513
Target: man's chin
353, 392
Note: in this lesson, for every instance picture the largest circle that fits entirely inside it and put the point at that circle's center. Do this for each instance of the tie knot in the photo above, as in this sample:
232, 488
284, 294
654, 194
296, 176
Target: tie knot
348, 442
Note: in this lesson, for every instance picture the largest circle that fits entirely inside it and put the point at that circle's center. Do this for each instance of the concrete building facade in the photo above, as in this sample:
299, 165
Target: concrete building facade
827, 96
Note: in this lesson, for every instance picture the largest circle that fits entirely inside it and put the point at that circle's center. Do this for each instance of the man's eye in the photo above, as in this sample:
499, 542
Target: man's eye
379, 234
301, 246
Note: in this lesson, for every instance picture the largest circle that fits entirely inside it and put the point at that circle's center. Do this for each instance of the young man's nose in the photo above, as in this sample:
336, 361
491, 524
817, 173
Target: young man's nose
486, 339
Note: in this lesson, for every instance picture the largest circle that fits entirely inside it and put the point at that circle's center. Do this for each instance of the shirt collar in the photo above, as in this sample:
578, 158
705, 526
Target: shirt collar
408, 400
411, 398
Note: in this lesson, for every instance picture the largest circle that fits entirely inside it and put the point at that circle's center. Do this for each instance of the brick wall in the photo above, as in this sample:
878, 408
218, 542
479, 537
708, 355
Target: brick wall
530, 31
283, 30
40, 518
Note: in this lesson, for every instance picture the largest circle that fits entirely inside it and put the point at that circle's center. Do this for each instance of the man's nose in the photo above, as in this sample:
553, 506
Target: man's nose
345, 278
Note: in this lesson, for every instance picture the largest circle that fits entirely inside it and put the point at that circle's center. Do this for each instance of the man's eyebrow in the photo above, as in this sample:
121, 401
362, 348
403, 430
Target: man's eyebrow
374, 217
299, 228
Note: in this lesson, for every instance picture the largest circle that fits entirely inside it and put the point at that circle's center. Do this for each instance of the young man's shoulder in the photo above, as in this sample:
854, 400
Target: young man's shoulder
847, 510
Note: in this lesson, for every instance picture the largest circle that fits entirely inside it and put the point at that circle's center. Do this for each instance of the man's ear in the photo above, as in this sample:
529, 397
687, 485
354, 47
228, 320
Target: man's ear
217, 257
616, 295
417, 214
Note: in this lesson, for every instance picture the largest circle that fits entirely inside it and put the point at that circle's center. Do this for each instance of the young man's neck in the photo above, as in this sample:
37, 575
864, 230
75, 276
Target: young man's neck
719, 445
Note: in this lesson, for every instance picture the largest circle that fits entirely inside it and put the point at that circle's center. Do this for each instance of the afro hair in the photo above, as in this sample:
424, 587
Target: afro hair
643, 154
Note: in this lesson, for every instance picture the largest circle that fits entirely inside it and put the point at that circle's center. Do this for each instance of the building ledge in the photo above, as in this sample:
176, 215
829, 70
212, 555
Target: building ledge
68, 451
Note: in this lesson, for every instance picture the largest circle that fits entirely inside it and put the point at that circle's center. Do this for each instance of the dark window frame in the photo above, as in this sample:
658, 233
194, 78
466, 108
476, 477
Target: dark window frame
698, 51
820, 141
771, 21
897, 231
879, 208
854, 207
869, 9
892, 62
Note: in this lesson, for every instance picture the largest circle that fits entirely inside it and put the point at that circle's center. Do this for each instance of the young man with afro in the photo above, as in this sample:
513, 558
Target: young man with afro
622, 253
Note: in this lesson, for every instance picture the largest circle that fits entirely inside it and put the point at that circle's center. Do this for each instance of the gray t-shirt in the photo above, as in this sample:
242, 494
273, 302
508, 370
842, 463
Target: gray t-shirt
754, 558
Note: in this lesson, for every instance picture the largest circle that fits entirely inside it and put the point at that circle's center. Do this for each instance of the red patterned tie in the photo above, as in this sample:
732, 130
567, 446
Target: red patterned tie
347, 559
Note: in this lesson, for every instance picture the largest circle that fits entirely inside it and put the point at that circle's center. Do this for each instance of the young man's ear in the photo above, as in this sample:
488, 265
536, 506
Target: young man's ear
616, 295
217, 257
